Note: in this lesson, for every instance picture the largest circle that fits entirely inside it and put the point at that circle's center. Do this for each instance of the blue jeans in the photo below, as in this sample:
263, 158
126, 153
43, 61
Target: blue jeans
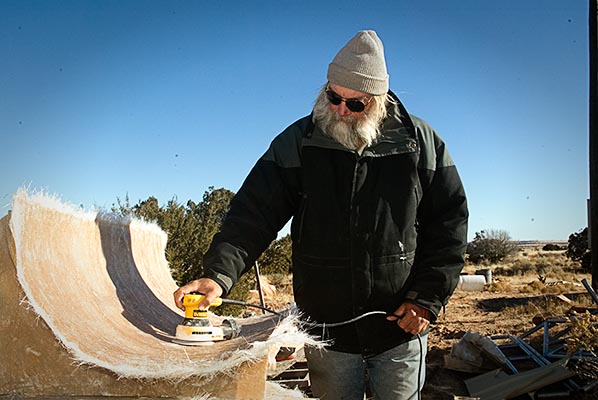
390, 375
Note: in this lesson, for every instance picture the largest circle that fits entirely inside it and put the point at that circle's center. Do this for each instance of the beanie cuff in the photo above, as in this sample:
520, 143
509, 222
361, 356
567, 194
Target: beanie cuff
357, 81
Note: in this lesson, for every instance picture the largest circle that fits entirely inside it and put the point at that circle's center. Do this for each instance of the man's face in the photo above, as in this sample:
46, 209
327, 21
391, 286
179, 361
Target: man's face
348, 95
337, 111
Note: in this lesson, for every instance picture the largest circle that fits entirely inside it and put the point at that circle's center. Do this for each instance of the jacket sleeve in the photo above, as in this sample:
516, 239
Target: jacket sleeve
258, 211
442, 225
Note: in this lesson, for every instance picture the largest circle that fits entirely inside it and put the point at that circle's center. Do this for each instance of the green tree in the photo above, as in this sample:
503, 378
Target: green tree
150, 210
210, 213
552, 247
490, 246
122, 207
277, 257
577, 249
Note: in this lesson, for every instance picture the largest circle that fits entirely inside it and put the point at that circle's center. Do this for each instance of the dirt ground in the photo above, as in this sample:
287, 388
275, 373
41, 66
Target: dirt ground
488, 313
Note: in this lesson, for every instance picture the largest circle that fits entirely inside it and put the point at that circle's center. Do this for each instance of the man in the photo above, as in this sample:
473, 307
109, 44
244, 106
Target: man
379, 224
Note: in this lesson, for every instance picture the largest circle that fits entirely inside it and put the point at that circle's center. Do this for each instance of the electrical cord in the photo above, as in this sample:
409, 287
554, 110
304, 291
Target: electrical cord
347, 322
245, 304
419, 370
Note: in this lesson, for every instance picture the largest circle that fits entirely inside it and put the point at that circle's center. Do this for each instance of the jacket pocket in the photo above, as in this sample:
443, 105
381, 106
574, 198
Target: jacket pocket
322, 287
389, 274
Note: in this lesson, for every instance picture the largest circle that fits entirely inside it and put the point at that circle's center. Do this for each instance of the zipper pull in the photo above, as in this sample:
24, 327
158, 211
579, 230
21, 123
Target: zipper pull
402, 247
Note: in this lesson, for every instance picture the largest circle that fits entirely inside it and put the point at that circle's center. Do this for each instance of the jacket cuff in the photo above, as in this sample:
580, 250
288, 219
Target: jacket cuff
225, 281
432, 306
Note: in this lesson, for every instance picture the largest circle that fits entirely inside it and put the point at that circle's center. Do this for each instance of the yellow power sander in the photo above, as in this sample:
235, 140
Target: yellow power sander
197, 330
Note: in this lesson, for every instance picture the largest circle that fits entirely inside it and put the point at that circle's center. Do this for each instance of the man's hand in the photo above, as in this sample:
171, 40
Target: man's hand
411, 318
205, 286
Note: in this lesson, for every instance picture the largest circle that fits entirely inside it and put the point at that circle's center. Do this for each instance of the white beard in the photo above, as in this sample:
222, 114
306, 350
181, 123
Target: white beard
354, 132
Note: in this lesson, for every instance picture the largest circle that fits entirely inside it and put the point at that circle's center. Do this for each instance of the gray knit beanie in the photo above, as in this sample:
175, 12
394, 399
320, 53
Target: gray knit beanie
360, 65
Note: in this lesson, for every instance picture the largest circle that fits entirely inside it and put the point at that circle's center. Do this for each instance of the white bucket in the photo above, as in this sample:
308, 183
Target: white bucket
487, 273
471, 283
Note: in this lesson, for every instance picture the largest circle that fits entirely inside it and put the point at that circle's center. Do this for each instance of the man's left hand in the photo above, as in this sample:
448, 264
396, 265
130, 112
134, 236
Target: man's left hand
411, 318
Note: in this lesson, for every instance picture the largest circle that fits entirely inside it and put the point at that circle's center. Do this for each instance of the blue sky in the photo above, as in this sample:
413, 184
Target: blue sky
104, 99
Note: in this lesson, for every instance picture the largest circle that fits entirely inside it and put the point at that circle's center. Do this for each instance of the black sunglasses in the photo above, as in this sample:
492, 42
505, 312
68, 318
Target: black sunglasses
354, 105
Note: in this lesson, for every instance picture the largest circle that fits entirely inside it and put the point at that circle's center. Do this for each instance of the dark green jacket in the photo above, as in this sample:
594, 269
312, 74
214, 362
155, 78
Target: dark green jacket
369, 231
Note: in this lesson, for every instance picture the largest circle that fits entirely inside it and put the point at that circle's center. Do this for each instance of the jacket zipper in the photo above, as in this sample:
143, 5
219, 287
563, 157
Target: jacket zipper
353, 188
302, 216
352, 231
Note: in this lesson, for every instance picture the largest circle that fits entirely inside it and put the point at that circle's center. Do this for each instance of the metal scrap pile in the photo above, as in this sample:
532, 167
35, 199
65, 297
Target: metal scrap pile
566, 364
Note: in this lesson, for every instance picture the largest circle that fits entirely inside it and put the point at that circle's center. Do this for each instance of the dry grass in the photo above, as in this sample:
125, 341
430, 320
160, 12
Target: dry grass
546, 307
551, 264
278, 293
499, 287
583, 334
539, 276
534, 272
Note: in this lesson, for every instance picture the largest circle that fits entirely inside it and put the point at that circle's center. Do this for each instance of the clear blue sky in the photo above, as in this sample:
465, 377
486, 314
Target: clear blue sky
103, 99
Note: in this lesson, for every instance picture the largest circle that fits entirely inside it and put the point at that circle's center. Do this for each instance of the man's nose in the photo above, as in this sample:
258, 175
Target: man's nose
342, 109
